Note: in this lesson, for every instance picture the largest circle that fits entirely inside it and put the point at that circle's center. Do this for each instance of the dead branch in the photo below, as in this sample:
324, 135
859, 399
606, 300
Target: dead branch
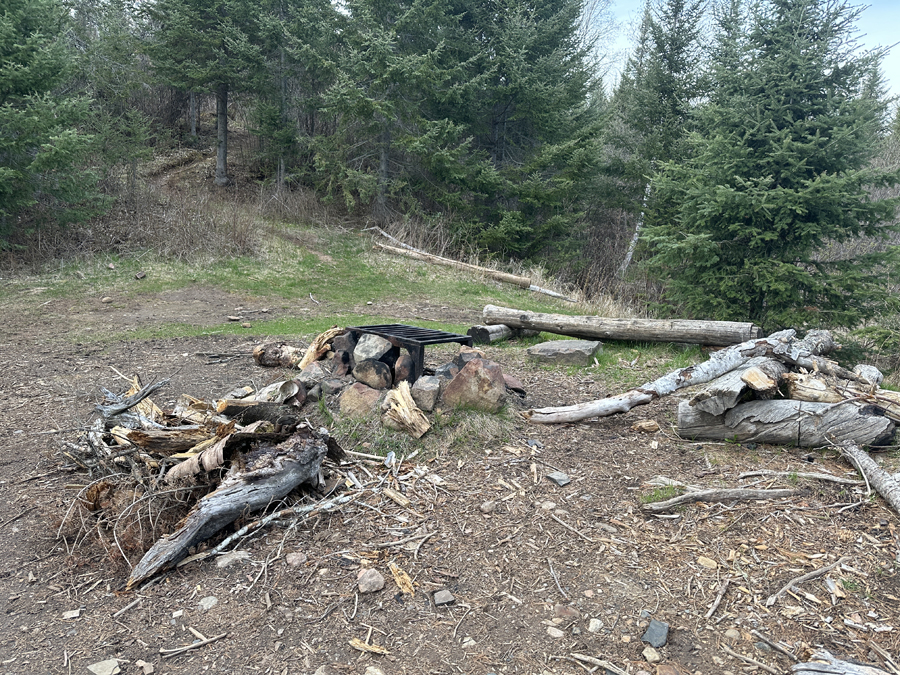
826, 477
880, 479
806, 577
826, 664
719, 495
121, 404
746, 659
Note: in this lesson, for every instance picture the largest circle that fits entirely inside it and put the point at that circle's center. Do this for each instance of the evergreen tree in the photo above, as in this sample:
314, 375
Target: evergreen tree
42, 149
778, 170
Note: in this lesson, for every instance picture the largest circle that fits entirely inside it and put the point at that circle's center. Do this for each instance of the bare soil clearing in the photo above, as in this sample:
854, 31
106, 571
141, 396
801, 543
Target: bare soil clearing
542, 561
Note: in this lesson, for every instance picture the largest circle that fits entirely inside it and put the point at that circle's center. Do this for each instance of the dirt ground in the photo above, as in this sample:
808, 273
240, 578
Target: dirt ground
541, 574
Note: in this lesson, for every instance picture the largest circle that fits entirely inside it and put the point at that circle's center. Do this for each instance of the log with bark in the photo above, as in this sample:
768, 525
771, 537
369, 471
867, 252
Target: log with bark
788, 422
782, 346
247, 411
483, 335
268, 474
725, 391
168, 441
277, 355
716, 333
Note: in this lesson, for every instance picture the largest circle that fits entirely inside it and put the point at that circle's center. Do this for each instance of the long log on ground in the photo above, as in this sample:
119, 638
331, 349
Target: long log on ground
724, 392
483, 335
826, 664
522, 282
720, 495
780, 345
716, 333
269, 477
787, 422
877, 477
819, 387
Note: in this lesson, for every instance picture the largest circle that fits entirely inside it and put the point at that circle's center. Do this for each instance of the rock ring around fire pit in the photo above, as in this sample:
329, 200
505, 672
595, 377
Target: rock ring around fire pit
413, 339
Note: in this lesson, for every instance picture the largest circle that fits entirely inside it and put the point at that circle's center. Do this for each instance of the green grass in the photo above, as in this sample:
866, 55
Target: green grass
660, 494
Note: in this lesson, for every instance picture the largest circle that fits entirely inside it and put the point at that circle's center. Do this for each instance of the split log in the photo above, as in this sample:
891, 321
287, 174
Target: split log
401, 412
168, 441
765, 378
826, 664
483, 335
277, 355
787, 422
717, 333
247, 412
819, 387
724, 392
270, 474
878, 478
780, 345
319, 346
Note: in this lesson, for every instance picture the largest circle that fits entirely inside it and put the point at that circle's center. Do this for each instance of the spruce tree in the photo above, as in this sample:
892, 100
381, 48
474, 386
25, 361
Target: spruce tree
778, 171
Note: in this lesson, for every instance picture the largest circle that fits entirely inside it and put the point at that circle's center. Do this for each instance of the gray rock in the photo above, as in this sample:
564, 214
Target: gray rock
344, 343
559, 478
208, 602
443, 597
447, 371
369, 580
763, 647
313, 374
295, 558
373, 373
565, 352
479, 385
595, 626
426, 391
358, 400
314, 394
657, 633
333, 385
467, 354
371, 347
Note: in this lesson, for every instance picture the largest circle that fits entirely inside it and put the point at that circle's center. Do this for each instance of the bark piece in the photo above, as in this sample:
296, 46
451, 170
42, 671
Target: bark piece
878, 478
483, 335
169, 441
277, 355
788, 422
718, 333
319, 346
270, 474
402, 413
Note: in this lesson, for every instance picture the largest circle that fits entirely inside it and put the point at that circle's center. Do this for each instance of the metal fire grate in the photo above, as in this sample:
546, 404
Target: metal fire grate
413, 339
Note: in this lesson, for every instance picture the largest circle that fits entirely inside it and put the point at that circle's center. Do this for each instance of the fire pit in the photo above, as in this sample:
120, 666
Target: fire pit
413, 339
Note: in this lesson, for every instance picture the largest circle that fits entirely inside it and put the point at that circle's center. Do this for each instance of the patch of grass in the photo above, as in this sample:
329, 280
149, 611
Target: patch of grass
660, 494
851, 585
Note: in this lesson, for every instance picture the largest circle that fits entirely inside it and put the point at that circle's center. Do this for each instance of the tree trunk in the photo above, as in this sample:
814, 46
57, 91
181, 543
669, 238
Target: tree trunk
222, 135
719, 333
381, 207
786, 422
193, 114
483, 335
272, 476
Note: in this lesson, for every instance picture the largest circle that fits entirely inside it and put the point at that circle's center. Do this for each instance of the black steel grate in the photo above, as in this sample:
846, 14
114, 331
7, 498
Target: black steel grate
412, 338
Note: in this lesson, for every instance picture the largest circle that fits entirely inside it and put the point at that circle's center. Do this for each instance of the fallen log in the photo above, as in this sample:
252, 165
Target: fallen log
826, 664
780, 345
249, 411
521, 282
168, 441
716, 333
787, 422
483, 335
725, 391
878, 478
270, 474
719, 495
819, 387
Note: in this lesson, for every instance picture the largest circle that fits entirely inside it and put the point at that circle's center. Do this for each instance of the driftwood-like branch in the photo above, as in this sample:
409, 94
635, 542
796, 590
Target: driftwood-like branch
123, 404
319, 346
877, 477
780, 345
826, 477
719, 333
815, 574
725, 391
826, 664
719, 495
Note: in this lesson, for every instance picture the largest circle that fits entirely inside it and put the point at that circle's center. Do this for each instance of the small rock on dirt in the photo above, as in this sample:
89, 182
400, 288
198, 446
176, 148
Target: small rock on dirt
565, 352
443, 597
555, 632
71, 614
373, 670
708, 563
732, 634
595, 626
295, 558
324, 670
559, 478
646, 426
208, 602
667, 670
565, 612
657, 633
369, 580
488, 507
651, 655
146, 668
468, 642
108, 667
106, 300
232, 557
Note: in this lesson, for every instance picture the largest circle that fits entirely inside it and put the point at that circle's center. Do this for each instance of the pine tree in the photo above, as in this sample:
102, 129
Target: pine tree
778, 171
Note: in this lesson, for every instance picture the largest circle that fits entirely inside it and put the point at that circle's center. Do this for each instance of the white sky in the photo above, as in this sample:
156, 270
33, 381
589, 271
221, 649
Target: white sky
879, 25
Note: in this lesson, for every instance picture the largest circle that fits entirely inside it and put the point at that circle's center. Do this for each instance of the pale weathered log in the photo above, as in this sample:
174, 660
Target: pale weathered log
787, 422
277, 355
877, 477
319, 346
826, 664
725, 391
401, 412
522, 282
819, 387
267, 478
717, 333
781, 345
483, 335
719, 495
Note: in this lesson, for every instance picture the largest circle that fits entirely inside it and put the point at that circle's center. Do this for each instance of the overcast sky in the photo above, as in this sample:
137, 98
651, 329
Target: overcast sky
879, 25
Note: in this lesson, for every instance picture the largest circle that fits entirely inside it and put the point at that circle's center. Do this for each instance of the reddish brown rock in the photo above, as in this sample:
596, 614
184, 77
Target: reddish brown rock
404, 369
478, 385
514, 385
373, 373
358, 400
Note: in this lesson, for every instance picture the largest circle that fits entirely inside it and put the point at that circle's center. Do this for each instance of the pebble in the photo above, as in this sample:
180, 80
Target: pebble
565, 612
733, 634
667, 670
657, 633
369, 580
488, 507
555, 632
443, 597
547, 506
374, 670
651, 655
559, 478
295, 558
208, 602
595, 626
468, 642
763, 647
106, 300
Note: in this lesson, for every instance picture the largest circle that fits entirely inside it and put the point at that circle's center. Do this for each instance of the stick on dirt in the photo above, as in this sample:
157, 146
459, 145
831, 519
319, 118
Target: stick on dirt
806, 577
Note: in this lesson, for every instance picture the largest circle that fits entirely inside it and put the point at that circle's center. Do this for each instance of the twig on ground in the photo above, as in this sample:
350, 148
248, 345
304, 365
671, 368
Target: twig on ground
127, 607
572, 529
721, 594
746, 659
828, 478
17, 516
717, 495
774, 645
166, 653
556, 579
806, 577
598, 662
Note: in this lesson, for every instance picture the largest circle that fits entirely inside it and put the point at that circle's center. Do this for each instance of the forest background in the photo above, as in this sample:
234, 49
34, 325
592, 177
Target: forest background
743, 166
